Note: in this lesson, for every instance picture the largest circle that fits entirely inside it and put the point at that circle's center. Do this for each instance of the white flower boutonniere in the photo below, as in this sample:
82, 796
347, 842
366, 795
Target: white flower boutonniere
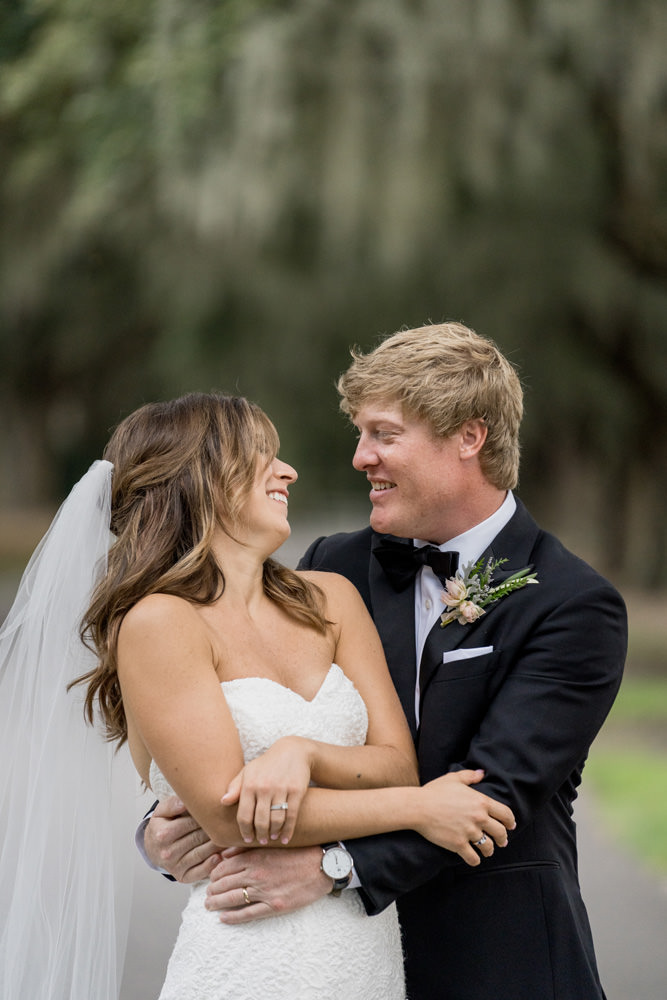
469, 592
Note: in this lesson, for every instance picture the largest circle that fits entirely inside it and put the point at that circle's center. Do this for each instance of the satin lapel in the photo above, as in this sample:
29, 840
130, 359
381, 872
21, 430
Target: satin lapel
394, 617
514, 543
439, 640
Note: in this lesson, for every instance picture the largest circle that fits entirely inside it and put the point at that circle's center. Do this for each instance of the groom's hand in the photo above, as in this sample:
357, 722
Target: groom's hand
275, 881
175, 842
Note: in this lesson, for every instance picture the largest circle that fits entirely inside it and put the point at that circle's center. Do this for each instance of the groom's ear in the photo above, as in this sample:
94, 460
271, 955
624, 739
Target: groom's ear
472, 435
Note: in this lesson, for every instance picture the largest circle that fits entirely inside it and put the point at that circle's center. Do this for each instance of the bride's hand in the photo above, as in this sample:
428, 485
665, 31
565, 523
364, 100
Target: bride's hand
456, 816
278, 777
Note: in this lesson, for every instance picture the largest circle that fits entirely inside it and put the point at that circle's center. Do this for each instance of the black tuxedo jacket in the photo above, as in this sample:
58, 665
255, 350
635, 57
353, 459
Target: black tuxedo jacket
522, 694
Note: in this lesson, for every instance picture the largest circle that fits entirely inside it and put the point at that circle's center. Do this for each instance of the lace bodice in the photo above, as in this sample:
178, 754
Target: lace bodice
264, 711
329, 950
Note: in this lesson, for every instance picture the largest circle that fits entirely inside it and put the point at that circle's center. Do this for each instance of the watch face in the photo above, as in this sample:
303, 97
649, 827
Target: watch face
337, 863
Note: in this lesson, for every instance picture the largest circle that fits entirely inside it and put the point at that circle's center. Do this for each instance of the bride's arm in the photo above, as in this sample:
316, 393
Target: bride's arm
447, 811
178, 712
285, 771
388, 757
178, 716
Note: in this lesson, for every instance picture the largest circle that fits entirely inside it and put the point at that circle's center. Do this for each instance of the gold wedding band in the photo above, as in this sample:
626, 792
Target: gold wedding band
246, 896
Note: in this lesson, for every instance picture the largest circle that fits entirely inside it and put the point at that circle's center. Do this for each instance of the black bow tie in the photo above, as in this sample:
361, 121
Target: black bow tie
401, 561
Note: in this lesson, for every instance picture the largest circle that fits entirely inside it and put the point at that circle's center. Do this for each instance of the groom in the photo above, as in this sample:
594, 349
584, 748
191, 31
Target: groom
519, 690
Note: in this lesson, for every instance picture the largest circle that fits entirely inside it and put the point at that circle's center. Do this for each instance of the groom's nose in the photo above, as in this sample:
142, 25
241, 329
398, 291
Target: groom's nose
364, 455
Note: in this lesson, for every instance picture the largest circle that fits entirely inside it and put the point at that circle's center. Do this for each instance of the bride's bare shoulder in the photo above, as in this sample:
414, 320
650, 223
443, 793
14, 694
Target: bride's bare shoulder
159, 613
337, 589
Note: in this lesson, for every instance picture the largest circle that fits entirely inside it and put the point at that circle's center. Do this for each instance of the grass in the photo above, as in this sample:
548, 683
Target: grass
630, 787
640, 700
627, 768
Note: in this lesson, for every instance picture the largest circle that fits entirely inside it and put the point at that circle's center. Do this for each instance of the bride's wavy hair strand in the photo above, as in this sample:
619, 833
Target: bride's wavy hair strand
181, 469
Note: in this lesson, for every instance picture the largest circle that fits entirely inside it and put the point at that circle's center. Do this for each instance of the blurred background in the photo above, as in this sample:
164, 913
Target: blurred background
228, 194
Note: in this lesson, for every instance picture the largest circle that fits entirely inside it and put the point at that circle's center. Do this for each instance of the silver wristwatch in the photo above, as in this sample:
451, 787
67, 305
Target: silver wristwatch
337, 863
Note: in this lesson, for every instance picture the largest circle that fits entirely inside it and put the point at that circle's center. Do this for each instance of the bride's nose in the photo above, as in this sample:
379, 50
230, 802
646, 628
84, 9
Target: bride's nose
284, 471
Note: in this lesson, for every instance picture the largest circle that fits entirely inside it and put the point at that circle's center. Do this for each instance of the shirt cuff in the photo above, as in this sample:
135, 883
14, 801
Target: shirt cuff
355, 881
141, 847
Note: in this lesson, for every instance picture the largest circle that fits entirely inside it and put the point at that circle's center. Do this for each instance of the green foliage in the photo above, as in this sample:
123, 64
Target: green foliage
627, 767
641, 700
229, 193
627, 784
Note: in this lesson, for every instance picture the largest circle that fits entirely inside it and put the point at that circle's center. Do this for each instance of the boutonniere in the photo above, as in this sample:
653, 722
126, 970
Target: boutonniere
468, 593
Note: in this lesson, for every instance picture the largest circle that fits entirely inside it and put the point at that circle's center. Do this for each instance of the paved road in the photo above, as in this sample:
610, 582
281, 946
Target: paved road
627, 905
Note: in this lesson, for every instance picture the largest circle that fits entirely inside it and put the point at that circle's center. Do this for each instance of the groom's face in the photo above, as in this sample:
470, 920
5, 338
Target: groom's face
416, 478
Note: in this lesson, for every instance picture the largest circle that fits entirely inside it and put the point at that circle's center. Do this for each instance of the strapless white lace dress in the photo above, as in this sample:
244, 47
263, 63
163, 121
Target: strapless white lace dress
330, 950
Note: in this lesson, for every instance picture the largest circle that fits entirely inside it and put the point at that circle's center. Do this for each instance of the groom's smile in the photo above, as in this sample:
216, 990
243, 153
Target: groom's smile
415, 477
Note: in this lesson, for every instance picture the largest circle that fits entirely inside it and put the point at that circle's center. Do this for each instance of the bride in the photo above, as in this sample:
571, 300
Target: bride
258, 695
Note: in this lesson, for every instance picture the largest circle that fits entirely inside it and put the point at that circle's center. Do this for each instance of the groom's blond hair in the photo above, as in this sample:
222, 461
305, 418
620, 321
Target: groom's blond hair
444, 374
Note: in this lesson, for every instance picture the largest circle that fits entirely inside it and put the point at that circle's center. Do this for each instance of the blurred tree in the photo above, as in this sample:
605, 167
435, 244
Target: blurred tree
230, 193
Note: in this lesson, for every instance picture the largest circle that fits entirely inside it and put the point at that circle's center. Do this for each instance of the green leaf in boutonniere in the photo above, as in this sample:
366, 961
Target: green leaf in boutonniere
468, 592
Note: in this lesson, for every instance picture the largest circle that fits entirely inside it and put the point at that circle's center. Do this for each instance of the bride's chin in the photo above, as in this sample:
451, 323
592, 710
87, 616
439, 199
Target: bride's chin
279, 539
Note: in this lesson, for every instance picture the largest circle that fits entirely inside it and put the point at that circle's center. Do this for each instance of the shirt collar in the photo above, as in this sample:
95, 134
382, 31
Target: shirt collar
472, 543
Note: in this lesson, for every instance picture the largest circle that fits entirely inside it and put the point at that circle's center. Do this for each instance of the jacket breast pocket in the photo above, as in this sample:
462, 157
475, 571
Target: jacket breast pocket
462, 663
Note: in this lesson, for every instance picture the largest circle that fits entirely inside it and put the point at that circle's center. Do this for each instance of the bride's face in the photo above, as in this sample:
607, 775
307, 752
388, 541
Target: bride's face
264, 514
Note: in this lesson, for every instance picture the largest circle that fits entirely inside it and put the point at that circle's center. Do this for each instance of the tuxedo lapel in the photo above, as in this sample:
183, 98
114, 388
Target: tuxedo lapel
514, 543
439, 640
394, 616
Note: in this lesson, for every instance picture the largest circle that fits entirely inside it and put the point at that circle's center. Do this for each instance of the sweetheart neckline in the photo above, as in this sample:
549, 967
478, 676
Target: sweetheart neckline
308, 701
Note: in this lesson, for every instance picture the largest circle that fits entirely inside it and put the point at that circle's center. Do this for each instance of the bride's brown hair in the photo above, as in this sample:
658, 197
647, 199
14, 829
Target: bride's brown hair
180, 470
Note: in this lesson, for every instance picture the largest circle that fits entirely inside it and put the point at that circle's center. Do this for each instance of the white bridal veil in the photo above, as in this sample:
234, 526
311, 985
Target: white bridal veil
67, 802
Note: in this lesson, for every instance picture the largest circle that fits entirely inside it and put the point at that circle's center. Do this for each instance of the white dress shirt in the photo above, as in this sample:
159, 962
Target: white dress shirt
428, 588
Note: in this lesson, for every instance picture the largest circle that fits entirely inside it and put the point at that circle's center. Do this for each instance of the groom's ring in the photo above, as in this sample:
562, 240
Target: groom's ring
482, 840
279, 805
246, 896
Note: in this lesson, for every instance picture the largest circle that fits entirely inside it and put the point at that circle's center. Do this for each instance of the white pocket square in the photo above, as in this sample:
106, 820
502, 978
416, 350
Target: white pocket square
465, 654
